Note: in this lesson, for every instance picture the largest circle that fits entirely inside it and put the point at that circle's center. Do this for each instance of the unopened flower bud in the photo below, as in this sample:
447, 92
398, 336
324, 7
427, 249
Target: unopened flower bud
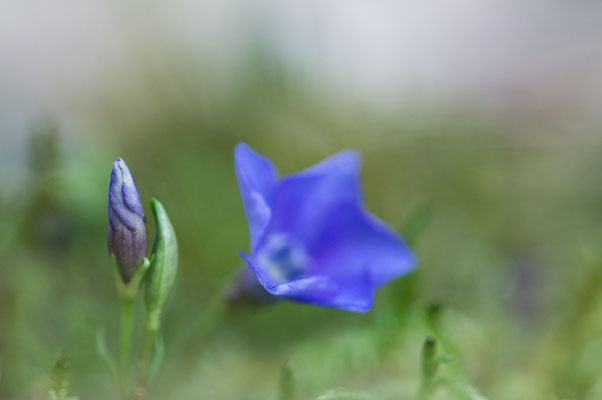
127, 222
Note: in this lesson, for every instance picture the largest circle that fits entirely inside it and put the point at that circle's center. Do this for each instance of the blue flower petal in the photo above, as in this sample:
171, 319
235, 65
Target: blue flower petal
302, 201
354, 239
348, 294
256, 178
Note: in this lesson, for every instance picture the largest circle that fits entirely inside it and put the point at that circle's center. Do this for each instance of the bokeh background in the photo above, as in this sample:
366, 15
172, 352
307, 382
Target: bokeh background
481, 129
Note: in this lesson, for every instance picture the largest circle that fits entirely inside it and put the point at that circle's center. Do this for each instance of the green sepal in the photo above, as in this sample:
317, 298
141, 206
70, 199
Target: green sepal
129, 291
164, 264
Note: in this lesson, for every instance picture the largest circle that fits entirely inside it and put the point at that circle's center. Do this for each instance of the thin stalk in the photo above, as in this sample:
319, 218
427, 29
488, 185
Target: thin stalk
146, 354
127, 325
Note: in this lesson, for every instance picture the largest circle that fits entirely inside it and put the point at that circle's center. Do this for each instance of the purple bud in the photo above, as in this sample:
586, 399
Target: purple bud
127, 228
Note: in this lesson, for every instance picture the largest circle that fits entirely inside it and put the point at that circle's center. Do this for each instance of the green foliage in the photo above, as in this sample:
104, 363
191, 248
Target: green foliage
157, 359
343, 394
416, 223
58, 380
287, 389
505, 222
164, 263
429, 360
103, 354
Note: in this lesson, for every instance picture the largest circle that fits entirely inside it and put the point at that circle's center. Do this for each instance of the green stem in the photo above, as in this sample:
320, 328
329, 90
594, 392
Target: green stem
127, 324
146, 354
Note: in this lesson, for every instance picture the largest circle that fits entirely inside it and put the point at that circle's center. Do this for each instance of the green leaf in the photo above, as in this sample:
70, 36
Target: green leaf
164, 262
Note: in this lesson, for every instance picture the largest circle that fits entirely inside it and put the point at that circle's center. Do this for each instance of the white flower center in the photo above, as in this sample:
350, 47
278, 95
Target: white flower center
284, 258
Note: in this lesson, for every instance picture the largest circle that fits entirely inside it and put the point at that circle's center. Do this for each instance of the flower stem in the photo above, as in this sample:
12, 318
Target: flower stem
126, 345
147, 353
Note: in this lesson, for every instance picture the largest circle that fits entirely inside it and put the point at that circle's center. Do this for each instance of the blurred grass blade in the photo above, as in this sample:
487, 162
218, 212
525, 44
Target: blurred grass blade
103, 354
343, 394
430, 362
433, 318
467, 392
416, 222
287, 389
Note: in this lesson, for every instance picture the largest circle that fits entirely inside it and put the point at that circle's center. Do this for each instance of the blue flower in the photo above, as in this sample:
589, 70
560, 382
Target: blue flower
127, 222
312, 240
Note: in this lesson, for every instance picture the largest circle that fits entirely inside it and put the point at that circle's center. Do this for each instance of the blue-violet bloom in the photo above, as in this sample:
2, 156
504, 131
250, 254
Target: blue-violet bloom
127, 222
312, 240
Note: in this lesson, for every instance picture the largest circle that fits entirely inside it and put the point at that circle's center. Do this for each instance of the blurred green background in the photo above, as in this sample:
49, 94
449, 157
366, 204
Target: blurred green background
490, 170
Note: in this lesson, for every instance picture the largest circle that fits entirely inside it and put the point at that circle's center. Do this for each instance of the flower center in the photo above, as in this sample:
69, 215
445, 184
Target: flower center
284, 258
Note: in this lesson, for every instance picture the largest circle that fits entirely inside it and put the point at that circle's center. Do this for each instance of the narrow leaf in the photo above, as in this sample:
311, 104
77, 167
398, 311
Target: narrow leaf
164, 260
